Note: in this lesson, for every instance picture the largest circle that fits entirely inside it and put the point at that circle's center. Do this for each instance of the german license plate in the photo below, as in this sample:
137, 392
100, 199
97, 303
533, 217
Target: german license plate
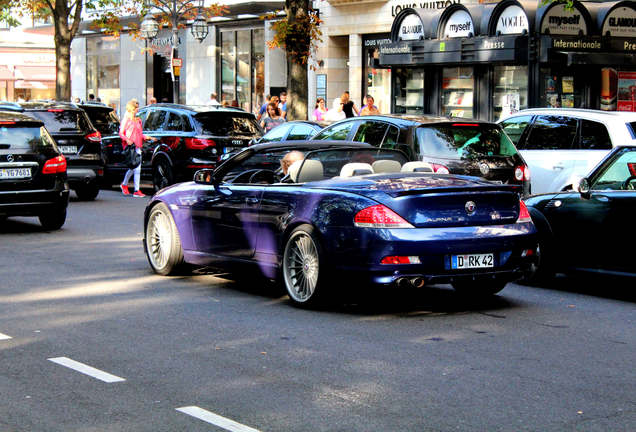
472, 261
68, 149
15, 173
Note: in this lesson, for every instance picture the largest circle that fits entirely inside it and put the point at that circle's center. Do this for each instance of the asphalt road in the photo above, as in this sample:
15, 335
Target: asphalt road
559, 358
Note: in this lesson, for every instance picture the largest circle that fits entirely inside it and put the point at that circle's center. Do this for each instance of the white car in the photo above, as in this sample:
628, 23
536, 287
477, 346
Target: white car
562, 145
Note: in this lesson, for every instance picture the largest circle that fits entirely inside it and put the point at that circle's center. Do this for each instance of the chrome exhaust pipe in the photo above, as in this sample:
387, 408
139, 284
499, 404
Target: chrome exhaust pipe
418, 282
403, 282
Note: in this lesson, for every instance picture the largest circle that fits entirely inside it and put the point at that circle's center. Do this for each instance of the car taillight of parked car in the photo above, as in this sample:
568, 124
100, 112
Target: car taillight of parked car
94, 136
199, 143
55, 165
379, 216
522, 173
440, 169
524, 214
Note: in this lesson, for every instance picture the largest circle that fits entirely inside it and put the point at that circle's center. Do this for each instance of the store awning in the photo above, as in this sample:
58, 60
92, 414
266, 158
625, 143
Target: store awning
5, 73
35, 73
22, 84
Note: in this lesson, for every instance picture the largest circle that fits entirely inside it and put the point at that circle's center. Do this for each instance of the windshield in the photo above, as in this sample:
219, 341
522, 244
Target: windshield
105, 121
464, 141
62, 121
227, 124
21, 137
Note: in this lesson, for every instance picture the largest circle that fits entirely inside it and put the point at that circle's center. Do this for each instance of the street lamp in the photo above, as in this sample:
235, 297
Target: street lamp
176, 10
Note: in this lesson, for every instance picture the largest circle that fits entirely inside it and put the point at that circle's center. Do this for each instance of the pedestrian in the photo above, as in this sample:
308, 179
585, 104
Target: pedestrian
213, 101
282, 105
369, 108
131, 134
91, 97
152, 101
348, 106
263, 109
225, 103
335, 113
273, 119
77, 100
320, 113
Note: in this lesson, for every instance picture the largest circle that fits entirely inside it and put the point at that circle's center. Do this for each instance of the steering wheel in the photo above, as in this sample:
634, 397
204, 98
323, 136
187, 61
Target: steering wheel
266, 175
628, 185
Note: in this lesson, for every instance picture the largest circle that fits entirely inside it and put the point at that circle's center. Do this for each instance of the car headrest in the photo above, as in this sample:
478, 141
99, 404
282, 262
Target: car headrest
311, 171
386, 166
417, 167
355, 169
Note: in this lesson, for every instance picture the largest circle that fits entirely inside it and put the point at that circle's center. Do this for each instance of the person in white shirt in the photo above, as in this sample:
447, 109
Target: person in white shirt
213, 100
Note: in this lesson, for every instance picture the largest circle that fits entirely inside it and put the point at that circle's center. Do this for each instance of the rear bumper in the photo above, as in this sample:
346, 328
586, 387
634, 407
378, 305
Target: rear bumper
32, 202
84, 174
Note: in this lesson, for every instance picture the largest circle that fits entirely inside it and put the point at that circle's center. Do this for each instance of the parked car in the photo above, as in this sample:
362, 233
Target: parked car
466, 147
32, 171
190, 138
77, 139
590, 229
562, 145
332, 220
291, 131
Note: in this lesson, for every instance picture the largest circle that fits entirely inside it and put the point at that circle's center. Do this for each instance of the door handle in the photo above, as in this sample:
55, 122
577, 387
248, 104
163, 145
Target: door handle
601, 198
251, 200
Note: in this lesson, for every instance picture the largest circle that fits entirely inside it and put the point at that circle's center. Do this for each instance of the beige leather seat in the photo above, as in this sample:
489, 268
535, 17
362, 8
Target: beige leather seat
355, 169
311, 171
417, 166
386, 166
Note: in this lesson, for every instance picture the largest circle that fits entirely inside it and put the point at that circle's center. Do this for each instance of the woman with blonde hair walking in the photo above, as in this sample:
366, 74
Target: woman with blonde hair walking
130, 132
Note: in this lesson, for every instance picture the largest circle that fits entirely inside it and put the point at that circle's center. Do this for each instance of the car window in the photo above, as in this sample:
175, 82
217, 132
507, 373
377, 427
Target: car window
464, 141
276, 134
551, 133
632, 129
58, 120
594, 136
301, 132
391, 137
514, 127
24, 137
338, 132
371, 132
242, 171
105, 121
155, 120
227, 124
615, 176
177, 123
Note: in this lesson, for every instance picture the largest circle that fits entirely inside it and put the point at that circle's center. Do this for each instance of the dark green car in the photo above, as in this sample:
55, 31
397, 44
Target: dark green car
591, 229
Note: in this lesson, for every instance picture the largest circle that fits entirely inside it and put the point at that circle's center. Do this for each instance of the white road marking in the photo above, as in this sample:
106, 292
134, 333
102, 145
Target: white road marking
215, 419
5, 337
87, 370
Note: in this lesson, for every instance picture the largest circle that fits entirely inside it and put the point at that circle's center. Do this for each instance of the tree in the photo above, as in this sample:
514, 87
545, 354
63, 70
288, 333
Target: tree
298, 33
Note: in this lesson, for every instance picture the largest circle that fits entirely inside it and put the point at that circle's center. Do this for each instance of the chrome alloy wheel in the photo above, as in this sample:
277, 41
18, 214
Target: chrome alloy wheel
301, 265
159, 239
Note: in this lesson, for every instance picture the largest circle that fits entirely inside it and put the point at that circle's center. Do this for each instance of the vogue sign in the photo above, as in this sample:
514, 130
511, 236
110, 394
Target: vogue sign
513, 20
459, 24
621, 22
411, 28
559, 21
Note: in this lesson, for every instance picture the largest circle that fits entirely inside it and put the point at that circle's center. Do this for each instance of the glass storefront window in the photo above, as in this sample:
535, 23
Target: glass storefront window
510, 93
377, 80
243, 67
409, 91
103, 55
458, 84
562, 87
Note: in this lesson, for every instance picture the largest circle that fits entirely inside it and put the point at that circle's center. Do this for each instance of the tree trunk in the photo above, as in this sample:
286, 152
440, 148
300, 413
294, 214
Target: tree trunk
62, 69
297, 82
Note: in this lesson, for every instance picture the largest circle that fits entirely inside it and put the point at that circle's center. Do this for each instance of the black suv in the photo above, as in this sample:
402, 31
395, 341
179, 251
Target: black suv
191, 138
32, 171
77, 139
455, 146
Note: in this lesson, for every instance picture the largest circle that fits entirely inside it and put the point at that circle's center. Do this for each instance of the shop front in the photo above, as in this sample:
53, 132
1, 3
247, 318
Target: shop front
489, 61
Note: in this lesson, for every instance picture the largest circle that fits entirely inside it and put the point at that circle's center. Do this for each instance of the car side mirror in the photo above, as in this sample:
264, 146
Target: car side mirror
584, 188
204, 176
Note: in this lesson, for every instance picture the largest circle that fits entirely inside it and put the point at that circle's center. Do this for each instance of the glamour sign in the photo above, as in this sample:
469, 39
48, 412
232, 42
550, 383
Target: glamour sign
621, 22
560, 21
459, 24
411, 28
513, 20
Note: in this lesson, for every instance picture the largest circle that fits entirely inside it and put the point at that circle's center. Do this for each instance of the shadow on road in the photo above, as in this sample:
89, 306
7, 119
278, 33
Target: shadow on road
606, 286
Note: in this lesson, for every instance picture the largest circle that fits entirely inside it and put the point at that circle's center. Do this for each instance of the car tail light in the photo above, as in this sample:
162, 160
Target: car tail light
395, 259
379, 216
465, 124
440, 169
524, 214
55, 165
199, 143
55, 110
95, 136
522, 173
7, 122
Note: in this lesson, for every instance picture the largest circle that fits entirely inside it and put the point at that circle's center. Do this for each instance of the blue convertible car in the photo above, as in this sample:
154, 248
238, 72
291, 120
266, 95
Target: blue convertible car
342, 214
